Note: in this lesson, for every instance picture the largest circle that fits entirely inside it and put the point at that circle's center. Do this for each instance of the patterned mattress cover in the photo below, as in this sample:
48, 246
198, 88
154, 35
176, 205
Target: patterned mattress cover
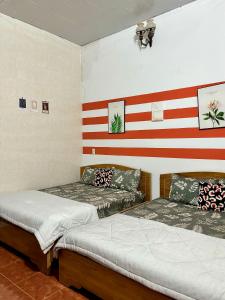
107, 200
181, 215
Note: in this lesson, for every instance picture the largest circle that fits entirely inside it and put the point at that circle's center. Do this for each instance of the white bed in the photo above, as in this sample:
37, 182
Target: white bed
179, 263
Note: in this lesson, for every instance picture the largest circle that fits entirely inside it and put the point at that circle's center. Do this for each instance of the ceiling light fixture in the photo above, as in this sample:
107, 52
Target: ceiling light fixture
145, 32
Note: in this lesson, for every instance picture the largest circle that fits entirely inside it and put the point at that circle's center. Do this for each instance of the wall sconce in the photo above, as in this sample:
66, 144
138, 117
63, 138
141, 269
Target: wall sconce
145, 32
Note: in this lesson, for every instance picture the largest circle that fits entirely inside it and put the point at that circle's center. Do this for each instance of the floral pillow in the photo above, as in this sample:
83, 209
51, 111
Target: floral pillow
103, 177
185, 189
88, 176
126, 180
211, 196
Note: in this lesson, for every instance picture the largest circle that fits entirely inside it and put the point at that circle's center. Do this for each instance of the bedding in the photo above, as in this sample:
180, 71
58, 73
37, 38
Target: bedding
46, 216
186, 189
180, 263
107, 200
181, 215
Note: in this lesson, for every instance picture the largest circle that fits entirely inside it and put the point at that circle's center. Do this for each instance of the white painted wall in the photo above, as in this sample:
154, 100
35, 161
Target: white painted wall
188, 50
38, 150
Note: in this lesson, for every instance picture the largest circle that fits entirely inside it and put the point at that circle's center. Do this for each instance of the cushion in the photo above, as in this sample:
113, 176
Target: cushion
211, 196
103, 177
185, 189
126, 180
88, 176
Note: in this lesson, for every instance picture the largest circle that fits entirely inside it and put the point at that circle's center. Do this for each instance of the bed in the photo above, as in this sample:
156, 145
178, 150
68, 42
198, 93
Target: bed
154, 257
52, 207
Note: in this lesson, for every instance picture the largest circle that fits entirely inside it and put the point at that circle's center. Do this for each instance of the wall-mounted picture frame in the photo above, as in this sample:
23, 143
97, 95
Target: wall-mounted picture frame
45, 107
34, 106
116, 117
22, 103
157, 112
211, 107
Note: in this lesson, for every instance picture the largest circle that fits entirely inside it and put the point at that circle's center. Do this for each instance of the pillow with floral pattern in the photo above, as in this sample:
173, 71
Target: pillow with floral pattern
126, 180
103, 177
211, 196
88, 176
185, 189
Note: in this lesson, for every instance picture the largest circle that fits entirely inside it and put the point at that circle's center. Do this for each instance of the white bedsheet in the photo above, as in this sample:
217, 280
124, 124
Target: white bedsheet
46, 216
177, 262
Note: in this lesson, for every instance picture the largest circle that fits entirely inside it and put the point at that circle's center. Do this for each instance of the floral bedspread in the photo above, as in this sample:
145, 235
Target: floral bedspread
181, 215
107, 200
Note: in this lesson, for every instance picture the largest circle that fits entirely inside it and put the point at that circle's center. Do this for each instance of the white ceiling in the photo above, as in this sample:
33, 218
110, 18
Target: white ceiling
84, 21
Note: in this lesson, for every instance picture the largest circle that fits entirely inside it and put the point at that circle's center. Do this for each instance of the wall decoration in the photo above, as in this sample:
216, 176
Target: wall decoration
211, 107
45, 107
22, 103
34, 106
157, 112
116, 120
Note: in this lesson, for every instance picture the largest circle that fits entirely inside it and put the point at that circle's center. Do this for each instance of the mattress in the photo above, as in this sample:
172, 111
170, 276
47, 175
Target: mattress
108, 201
180, 263
180, 215
48, 217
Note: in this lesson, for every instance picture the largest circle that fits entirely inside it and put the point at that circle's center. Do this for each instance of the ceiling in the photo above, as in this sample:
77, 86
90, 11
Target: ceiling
84, 21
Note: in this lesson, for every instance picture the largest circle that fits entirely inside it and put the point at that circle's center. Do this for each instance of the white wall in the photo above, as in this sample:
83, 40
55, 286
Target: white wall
188, 49
38, 150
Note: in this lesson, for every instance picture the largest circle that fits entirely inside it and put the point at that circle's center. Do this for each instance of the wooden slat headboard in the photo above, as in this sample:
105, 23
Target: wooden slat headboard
165, 180
145, 181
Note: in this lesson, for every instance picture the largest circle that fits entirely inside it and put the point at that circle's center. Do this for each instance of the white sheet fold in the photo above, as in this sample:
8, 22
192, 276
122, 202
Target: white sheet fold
47, 216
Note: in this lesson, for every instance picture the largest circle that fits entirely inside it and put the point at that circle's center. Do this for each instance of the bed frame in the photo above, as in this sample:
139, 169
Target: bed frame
82, 272
27, 244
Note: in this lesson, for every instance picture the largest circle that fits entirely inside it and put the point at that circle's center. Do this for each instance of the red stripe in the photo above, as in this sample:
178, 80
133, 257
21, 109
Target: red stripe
157, 134
146, 98
218, 154
189, 112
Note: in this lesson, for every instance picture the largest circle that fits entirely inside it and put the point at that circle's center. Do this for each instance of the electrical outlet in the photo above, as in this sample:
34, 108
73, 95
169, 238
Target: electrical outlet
93, 151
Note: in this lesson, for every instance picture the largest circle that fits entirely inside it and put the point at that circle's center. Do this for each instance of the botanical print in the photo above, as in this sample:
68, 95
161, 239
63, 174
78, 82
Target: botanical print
212, 106
181, 215
116, 117
107, 200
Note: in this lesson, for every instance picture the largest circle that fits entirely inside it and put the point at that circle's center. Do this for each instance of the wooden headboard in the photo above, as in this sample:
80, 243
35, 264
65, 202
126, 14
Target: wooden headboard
165, 180
145, 181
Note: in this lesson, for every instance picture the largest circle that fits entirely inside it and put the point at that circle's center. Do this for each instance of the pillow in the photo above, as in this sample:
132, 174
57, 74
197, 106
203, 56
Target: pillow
126, 180
185, 189
211, 196
103, 177
88, 176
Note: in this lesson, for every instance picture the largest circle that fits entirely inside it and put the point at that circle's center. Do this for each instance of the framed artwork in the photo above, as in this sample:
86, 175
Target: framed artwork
157, 112
116, 119
22, 103
34, 106
45, 107
211, 107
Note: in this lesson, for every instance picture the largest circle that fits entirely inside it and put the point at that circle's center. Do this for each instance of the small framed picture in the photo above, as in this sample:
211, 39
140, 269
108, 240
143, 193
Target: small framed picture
45, 107
157, 112
211, 107
22, 103
116, 119
34, 106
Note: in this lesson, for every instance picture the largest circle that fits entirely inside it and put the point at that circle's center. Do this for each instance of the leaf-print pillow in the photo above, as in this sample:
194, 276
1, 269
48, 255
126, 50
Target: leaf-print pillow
126, 180
88, 176
185, 189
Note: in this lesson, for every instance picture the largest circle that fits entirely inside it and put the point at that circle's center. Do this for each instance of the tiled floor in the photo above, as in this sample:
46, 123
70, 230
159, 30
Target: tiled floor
19, 281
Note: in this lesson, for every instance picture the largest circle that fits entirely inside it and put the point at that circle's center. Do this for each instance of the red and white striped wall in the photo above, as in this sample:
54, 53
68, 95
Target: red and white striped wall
154, 146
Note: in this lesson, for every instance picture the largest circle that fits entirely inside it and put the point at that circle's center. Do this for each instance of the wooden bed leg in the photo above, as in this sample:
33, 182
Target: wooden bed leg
44, 264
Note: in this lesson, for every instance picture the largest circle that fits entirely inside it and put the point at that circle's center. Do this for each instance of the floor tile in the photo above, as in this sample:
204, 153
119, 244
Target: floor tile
9, 291
39, 286
7, 257
17, 271
67, 294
